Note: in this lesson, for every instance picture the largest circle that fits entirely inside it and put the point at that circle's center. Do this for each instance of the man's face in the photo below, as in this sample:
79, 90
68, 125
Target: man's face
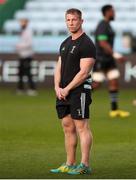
74, 22
111, 14
23, 23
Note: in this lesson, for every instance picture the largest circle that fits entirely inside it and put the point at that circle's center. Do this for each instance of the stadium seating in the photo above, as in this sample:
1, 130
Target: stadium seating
47, 20
47, 16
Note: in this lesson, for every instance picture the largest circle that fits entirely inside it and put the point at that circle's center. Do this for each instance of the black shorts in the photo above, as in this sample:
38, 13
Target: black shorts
77, 105
104, 64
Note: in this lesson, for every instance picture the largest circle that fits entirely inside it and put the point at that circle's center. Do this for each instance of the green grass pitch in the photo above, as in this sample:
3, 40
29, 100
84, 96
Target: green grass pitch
32, 142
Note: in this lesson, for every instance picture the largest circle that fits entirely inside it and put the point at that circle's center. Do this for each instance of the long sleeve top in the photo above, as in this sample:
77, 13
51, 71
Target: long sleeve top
25, 45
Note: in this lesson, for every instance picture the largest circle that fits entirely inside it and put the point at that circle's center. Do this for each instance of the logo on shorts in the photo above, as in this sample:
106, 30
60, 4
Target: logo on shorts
73, 48
79, 112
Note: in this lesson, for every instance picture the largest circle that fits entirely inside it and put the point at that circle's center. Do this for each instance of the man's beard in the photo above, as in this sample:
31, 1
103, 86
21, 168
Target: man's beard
23, 27
74, 32
112, 18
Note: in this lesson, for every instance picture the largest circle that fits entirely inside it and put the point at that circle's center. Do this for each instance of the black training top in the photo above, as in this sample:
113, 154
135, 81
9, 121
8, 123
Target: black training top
103, 32
71, 51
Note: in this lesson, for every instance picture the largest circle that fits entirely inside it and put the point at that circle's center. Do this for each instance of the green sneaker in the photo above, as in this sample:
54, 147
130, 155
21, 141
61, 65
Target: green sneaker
64, 168
80, 169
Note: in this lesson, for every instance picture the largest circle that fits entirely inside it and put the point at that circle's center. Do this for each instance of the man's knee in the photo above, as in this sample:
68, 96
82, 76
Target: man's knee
68, 126
82, 126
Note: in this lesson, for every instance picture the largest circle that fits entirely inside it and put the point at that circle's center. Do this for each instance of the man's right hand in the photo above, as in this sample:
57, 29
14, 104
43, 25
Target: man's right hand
119, 57
58, 93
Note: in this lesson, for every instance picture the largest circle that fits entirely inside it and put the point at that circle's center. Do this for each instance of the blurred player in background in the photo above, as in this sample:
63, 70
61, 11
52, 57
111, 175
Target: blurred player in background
73, 91
105, 66
25, 52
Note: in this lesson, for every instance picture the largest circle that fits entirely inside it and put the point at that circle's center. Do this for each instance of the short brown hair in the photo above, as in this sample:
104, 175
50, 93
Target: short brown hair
106, 8
74, 11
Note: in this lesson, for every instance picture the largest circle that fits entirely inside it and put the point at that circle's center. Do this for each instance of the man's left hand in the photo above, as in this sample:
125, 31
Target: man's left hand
64, 92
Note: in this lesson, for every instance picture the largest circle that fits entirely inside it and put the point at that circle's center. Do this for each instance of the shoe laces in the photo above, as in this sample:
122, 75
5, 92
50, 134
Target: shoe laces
80, 167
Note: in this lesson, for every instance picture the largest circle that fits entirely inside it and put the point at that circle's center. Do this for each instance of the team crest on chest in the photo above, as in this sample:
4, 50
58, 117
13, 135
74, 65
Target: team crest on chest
73, 48
63, 49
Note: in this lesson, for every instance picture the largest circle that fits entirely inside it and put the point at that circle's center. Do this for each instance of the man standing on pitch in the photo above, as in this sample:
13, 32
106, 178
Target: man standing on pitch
105, 66
73, 91
24, 49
